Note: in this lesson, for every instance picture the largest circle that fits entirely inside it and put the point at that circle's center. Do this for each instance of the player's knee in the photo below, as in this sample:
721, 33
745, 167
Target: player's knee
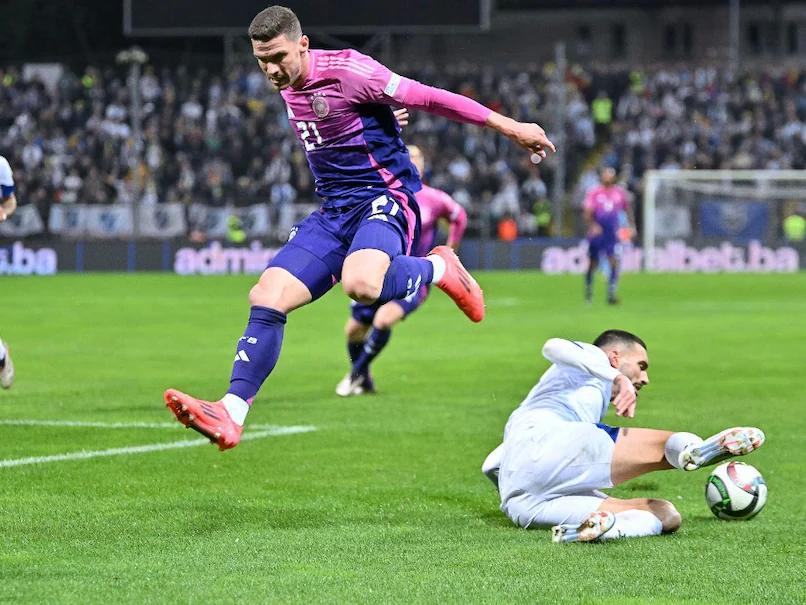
361, 289
268, 295
383, 323
387, 317
667, 513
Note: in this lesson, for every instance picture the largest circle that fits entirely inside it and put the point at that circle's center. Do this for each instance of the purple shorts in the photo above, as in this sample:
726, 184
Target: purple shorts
318, 245
366, 313
602, 244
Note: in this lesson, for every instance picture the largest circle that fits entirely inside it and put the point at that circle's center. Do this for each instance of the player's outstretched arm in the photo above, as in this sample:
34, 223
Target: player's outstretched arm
459, 108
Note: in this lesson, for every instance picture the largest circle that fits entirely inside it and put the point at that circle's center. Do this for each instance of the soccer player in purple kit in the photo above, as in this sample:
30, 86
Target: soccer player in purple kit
339, 104
369, 327
602, 211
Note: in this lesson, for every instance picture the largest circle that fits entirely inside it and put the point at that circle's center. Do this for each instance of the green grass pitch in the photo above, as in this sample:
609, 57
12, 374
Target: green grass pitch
384, 502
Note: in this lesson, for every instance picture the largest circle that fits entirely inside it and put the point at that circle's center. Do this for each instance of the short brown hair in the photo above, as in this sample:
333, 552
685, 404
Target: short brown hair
275, 21
614, 337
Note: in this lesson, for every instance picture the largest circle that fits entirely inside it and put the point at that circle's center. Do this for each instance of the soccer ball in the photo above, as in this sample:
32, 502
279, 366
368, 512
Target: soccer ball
735, 490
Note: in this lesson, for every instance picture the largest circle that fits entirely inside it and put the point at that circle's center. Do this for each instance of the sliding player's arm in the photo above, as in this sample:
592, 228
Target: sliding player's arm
595, 363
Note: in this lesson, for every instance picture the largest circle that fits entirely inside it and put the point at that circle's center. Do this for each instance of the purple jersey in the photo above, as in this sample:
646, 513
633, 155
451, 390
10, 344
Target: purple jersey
606, 205
342, 116
434, 205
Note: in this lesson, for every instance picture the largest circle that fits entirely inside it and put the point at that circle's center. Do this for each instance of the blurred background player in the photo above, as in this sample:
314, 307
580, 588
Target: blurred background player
557, 454
8, 203
369, 328
339, 105
604, 210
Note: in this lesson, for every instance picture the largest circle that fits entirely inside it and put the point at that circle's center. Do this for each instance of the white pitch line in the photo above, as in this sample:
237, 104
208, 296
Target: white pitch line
92, 425
113, 425
153, 447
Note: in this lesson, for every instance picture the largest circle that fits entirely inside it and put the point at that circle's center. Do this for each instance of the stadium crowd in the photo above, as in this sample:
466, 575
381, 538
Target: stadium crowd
222, 138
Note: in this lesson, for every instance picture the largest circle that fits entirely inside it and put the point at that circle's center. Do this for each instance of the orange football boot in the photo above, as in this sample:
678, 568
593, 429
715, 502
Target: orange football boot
460, 285
210, 418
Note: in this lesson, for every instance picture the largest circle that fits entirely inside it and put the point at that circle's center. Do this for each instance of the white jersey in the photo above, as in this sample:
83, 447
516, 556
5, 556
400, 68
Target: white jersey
577, 387
6, 179
552, 445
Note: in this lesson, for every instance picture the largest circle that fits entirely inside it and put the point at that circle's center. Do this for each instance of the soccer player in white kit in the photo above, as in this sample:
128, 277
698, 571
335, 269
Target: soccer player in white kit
8, 203
557, 455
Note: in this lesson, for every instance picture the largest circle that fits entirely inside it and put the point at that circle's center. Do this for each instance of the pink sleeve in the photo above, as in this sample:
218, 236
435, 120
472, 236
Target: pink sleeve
456, 215
364, 80
414, 95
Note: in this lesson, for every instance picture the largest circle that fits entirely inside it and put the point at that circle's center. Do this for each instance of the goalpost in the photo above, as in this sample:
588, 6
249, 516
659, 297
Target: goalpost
716, 210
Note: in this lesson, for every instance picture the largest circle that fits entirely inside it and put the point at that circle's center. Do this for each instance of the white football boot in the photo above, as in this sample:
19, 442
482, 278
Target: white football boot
360, 385
7, 369
730, 442
594, 527
344, 387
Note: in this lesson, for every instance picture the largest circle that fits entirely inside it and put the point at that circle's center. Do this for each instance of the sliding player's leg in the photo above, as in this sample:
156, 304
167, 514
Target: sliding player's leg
590, 516
550, 476
378, 269
640, 451
304, 269
615, 518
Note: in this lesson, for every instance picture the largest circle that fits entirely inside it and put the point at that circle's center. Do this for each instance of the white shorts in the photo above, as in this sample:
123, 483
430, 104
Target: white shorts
550, 458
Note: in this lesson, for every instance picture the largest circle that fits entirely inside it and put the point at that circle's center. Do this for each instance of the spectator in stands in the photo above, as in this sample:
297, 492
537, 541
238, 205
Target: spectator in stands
203, 133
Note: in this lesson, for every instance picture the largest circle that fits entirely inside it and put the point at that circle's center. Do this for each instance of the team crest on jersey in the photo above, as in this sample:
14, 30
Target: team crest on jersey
320, 106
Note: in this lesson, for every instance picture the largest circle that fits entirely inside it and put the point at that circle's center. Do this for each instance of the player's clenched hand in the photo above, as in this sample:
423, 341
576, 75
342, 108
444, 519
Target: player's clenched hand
533, 138
529, 136
402, 116
625, 398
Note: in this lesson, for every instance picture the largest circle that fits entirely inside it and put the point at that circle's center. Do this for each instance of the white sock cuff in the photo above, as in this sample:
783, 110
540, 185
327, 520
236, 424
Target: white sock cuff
2, 350
676, 444
439, 267
634, 523
236, 407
